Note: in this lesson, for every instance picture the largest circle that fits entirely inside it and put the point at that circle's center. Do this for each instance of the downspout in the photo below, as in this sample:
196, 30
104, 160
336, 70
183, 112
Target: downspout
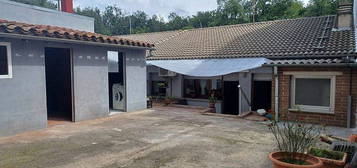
349, 102
171, 85
276, 90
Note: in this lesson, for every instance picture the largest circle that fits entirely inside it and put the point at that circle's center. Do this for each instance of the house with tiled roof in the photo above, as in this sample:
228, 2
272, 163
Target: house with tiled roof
54, 68
302, 68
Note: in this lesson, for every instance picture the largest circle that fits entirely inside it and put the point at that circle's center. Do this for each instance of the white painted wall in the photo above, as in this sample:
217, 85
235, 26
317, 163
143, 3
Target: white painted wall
19, 12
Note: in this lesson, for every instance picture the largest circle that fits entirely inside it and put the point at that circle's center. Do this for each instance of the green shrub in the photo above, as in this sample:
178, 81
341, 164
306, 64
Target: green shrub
322, 153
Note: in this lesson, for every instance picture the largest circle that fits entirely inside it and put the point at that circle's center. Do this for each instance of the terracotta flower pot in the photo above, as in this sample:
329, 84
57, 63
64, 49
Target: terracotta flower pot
353, 138
276, 158
211, 105
329, 163
167, 102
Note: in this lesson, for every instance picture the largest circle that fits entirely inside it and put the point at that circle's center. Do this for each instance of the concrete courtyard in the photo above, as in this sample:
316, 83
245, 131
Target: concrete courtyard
159, 137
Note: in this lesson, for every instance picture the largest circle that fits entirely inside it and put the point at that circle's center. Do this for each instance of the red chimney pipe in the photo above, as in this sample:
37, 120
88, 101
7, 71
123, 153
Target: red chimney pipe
67, 6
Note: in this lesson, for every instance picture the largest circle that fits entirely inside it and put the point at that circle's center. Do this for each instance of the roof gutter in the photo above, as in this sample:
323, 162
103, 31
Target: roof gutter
309, 65
27, 37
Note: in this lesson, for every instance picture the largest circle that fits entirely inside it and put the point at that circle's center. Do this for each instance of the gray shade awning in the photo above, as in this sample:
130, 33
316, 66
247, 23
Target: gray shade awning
209, 67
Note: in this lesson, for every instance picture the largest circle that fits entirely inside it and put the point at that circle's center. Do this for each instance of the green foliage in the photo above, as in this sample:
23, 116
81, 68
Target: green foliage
99, 23
212, 98
322, 153
113, 21
321, 7
231, 12
278, 9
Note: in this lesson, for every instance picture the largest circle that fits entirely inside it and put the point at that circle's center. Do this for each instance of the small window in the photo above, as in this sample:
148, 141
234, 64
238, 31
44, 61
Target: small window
313, 93
197, 88
158, 88
5, 60
113, 61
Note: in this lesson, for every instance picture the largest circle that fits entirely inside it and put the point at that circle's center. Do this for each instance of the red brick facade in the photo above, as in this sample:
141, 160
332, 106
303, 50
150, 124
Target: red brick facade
342, 90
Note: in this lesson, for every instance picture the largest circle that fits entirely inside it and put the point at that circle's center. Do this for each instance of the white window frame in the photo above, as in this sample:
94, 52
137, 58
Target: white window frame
309, 108
9, 61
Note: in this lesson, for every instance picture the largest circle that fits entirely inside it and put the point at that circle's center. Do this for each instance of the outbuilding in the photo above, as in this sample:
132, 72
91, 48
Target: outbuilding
52, 72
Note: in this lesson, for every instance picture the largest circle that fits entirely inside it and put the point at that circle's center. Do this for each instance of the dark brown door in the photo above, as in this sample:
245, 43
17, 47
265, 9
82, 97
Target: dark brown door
58, 83
261, 95
231, 98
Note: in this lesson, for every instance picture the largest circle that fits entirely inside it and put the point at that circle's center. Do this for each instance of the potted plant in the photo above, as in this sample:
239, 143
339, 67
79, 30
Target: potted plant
212, 102
293, 139
353, 138
168, 100
330, 159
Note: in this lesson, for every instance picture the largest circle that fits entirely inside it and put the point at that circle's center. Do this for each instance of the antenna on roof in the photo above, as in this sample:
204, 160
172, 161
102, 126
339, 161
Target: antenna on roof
253, 8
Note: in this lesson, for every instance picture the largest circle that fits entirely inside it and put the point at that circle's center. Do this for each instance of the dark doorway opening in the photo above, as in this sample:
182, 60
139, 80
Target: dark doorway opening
116, 81
230, 97
58, 83
261, 95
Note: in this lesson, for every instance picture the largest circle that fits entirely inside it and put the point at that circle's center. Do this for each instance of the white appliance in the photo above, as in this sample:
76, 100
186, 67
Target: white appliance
118, 97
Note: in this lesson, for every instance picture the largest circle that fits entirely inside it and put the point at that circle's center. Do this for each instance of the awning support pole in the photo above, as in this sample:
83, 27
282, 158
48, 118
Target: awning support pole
222, 92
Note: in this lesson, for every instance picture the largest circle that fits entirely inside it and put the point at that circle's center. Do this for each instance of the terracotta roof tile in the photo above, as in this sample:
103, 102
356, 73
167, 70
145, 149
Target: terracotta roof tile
12, 27
293, 38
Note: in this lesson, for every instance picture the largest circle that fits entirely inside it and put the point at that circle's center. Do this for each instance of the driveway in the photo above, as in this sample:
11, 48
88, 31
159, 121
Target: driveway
160, 137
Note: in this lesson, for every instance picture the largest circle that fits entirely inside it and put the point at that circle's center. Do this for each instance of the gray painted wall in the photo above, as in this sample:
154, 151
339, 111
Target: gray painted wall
136, 80
23, 97
90, 82
14, 11
174, 90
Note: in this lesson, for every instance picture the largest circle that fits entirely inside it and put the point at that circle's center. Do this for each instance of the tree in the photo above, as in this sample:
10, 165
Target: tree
279, 9
156, 24
139, 21
202, 19
230, 12
113, 21
321, 7
95, 13
177, 22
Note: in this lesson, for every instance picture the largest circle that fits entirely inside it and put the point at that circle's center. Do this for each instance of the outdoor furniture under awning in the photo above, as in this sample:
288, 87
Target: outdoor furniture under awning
209, 67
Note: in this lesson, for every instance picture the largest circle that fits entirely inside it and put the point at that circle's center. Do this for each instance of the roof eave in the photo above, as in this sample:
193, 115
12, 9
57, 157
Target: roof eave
313, 65
50, 39
268, 56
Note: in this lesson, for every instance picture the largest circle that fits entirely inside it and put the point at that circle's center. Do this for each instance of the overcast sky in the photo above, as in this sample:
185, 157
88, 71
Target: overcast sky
159, 7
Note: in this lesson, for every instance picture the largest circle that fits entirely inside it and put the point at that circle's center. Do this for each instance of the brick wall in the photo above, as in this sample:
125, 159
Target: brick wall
339, 118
